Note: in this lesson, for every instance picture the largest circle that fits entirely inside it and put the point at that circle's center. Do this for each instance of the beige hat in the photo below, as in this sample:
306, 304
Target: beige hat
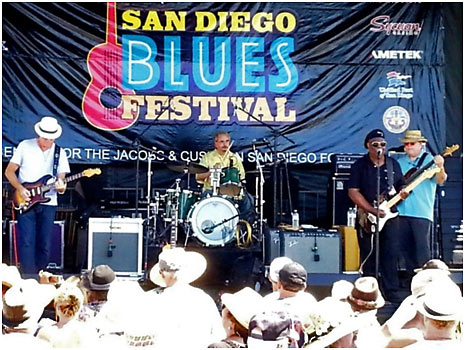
188, 265
276, 265
10, 275
243, 304
413, 136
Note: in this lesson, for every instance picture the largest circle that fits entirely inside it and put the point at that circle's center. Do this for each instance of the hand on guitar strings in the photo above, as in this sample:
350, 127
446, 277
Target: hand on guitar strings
60, 186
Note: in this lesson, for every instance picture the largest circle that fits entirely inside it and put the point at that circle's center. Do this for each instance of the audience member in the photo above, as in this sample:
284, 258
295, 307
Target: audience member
292, 283
442, 309
23, 305
96, 284
10, 276
341, 290
275, 329
183, 316
273, 275
333, 323
238, 309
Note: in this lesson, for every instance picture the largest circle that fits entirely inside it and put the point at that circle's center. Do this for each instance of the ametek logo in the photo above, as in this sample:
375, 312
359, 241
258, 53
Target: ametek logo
397, 54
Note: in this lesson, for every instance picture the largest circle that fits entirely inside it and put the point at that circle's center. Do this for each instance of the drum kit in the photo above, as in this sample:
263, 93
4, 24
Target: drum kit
213, 217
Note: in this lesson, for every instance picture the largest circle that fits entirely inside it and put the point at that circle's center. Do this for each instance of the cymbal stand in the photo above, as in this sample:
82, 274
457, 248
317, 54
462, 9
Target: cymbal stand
215, 180
259, 201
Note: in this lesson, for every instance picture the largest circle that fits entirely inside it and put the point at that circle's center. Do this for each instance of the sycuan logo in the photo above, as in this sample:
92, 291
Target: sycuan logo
382, 24
397, 54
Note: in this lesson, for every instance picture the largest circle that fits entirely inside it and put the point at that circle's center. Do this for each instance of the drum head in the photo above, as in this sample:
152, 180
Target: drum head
209, 212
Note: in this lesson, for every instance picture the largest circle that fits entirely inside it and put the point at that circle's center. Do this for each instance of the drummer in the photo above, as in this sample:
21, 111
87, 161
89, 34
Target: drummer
222, 157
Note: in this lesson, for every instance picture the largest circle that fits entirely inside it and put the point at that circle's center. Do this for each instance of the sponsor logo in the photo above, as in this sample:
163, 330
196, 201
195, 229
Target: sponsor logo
396, 86
397, 54
382, 24
396, 119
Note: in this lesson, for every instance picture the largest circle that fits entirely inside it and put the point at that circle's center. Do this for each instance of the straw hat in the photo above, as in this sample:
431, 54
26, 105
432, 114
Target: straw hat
243, 304
442, 301
188, 266
48, 128
413, 136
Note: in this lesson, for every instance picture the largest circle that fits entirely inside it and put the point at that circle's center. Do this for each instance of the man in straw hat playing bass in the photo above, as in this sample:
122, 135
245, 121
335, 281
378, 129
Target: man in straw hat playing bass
416, 211
33, 159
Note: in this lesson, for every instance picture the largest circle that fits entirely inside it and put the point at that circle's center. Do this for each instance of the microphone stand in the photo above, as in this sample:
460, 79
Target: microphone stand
378, 183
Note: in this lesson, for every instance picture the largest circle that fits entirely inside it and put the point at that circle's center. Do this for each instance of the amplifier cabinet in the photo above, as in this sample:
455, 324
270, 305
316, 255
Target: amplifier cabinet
318, 250
116, 242
57, 248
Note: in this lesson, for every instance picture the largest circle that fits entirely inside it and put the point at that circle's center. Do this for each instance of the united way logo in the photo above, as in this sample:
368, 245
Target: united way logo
396, 119
397, 86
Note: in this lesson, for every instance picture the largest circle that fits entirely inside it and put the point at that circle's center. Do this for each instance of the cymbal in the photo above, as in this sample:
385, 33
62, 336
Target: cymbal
192, 168
253, 172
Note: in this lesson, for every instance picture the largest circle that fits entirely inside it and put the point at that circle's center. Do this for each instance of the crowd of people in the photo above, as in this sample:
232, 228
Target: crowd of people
101, 309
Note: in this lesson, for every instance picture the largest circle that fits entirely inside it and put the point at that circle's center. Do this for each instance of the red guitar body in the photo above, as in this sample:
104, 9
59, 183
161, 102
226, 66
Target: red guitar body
102, 104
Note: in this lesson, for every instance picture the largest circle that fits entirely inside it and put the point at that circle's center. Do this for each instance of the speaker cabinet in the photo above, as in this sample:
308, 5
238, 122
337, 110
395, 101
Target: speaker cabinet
116, 242
340, 201
57, 249
318, 250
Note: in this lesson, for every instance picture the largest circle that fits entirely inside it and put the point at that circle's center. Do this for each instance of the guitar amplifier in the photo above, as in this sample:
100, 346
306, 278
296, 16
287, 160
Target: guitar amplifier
116, 242
318, 250
57, 249
342, 163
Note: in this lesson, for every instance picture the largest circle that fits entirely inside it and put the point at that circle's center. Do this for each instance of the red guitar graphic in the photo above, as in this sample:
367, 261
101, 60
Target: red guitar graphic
102, 104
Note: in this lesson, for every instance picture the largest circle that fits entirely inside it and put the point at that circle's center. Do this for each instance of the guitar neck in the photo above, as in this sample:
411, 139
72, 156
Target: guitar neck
111, 23
65, 180
409, 188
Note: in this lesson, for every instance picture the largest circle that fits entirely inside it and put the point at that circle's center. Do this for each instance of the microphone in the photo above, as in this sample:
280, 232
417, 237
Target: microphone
380, 152
208, 226
110, 248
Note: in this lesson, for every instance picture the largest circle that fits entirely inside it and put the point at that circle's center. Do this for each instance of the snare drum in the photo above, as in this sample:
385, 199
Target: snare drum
209, 212
186, 201
230, 182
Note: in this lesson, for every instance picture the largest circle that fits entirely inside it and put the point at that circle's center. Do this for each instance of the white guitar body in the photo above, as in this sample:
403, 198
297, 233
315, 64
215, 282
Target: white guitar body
389, 215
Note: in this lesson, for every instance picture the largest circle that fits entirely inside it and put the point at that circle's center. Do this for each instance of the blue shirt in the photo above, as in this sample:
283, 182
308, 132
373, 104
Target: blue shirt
420, 202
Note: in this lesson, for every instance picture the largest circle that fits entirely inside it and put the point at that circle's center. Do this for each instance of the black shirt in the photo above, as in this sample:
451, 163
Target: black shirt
363, 174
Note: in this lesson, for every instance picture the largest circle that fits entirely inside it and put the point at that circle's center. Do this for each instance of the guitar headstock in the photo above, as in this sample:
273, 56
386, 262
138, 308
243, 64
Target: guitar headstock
449, 150
92, 172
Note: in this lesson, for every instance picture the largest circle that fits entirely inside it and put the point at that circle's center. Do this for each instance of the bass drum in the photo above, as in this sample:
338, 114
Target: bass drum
209, 212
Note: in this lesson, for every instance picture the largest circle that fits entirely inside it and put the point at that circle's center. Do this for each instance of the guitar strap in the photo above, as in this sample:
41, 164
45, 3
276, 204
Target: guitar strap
56, 158
390, 175
422, 159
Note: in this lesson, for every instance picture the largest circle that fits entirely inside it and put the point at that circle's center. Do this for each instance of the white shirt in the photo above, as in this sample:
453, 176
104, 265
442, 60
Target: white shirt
185, 317
299, 305
35, 163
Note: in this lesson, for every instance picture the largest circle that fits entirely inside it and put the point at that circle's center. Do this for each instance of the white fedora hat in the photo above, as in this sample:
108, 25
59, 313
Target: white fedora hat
243, 304
48, 128
188, 265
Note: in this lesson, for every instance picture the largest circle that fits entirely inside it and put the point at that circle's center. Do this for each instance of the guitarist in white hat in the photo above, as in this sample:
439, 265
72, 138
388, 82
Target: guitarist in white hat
416, 211
33, 159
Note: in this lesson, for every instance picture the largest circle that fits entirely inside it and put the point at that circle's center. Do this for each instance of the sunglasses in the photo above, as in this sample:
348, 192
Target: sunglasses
378, 144
409, 143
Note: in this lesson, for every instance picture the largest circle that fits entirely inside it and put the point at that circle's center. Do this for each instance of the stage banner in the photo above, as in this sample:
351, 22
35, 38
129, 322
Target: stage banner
297, 80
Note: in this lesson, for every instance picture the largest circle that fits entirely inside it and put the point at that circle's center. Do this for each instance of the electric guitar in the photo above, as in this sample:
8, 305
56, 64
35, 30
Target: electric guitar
414, 172
42, 186
102, 104
368, 220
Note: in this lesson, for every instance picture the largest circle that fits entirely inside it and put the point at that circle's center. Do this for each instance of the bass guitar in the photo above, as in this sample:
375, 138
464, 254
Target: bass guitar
42, 186
368, 220
414, 172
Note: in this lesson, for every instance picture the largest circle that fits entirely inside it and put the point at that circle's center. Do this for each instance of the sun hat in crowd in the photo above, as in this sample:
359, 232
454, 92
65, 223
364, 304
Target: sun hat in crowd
434, 264
188, 265
270, 329
99, 278
24, 303
10, 275
341, 289
276, 265
330, 320
293, 274
413, 136
422, 279
442, 301
48, 128
373, 134
366, 294
243, 304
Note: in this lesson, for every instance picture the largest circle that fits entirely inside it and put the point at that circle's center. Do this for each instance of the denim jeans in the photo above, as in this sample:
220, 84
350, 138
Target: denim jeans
34, 237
